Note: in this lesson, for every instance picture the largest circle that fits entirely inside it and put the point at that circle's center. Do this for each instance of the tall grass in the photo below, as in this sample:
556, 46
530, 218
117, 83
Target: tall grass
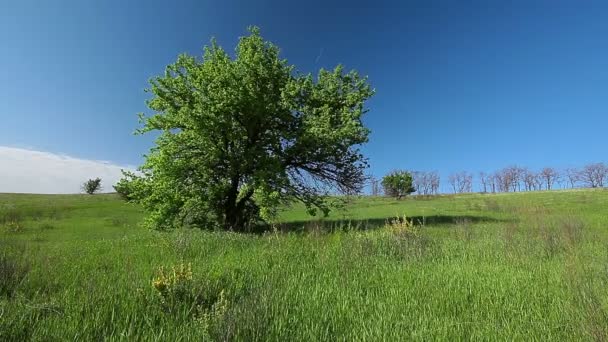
492, 267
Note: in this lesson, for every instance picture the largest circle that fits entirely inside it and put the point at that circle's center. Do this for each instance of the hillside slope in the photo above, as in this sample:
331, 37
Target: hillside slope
500, 267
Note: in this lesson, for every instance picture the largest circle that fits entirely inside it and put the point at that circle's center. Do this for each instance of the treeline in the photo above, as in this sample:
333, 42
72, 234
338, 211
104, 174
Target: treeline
509, 179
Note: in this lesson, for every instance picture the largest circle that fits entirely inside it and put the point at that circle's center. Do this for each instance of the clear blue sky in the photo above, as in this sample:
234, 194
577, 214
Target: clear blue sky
460, 85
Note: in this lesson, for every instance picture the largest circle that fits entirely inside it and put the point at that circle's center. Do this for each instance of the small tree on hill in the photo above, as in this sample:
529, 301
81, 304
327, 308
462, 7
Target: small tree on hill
398, 184
92, 186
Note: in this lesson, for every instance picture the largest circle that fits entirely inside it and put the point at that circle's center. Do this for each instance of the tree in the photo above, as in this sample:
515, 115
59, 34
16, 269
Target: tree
434, 180
492, 181
92, 186
426, 183
239, 136
461, 182
550, 176
485, 181
398, 184
509, 178
573, 176
530, 179
375, 183
594, 175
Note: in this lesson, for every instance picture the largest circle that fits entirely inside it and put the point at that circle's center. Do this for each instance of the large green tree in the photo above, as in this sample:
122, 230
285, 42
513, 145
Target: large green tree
240, 136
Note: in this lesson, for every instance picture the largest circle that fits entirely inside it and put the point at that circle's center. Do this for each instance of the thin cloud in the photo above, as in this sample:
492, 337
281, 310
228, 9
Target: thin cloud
319, 56
29, 171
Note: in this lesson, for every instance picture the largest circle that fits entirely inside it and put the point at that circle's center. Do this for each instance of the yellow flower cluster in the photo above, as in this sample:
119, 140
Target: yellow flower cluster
14, 227
402, 225
165, 281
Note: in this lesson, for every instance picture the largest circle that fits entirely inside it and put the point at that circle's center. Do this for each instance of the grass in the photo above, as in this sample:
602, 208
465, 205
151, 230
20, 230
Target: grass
525, 266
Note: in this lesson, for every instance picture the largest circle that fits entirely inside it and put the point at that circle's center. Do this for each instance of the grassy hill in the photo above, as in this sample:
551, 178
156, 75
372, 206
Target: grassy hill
530, 266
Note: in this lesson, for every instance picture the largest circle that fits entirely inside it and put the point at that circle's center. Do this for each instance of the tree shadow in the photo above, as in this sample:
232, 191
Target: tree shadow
332, 225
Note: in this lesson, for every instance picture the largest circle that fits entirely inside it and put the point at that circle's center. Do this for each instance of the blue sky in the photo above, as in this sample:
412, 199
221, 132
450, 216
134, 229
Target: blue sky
460, 85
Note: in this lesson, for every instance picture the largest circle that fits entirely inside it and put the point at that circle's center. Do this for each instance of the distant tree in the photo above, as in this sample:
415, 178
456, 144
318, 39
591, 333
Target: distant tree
573, 175
594, 175
530, 179
434, 180
92, 186
483, 179
398, 184
550, 176
492, 181
375, 183
461, 182
242, 134
425, 183
538, 182
509, 178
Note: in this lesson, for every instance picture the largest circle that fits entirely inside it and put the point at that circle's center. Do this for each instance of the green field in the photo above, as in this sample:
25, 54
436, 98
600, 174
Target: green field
524, 266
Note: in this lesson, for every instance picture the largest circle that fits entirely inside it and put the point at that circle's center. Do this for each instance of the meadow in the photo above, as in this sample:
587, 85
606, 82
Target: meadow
514, 266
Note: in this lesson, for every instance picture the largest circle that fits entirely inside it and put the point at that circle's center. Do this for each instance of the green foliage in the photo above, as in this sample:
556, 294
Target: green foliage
92, 186
125, 188
398, 184
242, 136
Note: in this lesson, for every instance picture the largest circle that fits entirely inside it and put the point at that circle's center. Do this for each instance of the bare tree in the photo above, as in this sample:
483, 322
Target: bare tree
434, 180
484, 179
508, 179
461, 182
426, 183
573, 175
538, 182
517, 177
492, 182
550, 176
375, 186
501, 181
530, 180
594, 175
420, 182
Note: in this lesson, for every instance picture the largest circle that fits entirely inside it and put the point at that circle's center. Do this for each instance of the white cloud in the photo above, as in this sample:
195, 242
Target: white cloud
28, 171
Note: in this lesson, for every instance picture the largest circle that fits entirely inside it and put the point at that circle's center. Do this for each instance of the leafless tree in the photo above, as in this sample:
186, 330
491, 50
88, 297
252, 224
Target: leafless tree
517, 177
508, 179
420, 182
492, 182
573, 175
426, 183
594, 175
538, 182
484, 180
549, 176
434, 180
499, 181
375, 186
530, 180
461, 182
